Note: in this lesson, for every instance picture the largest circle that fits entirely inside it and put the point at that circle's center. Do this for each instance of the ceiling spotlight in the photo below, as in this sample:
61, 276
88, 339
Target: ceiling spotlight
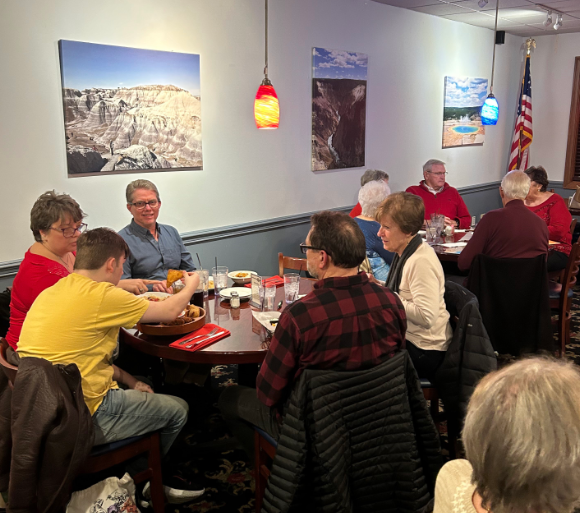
548, 21
482, 3
558, 23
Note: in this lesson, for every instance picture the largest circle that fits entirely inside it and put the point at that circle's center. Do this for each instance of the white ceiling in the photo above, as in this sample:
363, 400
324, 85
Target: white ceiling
518, 17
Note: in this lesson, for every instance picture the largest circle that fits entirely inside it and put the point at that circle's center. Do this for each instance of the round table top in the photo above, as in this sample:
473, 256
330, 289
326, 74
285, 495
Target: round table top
248, 341
449, 254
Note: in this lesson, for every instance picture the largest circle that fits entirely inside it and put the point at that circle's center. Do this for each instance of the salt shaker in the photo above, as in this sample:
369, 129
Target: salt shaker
235, 300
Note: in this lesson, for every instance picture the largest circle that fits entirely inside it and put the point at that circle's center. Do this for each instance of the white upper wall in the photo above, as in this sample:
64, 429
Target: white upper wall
552, 79
248, 174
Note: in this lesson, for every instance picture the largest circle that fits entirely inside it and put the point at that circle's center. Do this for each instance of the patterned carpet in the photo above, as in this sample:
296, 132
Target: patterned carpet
227, 471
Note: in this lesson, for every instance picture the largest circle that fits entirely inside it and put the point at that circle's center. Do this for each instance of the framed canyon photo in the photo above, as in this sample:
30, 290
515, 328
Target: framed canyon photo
339, 99
461, 117
128, 110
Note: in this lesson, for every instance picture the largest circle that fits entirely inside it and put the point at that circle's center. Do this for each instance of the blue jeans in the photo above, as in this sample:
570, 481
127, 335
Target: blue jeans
127, 413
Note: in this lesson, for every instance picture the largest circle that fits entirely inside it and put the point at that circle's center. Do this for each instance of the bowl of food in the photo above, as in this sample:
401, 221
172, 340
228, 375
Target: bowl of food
191, 319
241, 277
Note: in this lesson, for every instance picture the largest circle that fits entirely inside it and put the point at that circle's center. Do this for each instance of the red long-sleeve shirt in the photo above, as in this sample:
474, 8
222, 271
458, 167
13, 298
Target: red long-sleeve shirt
557, 217
447, 202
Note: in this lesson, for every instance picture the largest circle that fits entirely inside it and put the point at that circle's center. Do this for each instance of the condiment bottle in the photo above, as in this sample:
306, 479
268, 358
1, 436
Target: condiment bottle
235, 300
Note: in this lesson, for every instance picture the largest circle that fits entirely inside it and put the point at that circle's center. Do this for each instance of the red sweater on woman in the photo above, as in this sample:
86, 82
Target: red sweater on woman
557, 217
447, 202
35, 274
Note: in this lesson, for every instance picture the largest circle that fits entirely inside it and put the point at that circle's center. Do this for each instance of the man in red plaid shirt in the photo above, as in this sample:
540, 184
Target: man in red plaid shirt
345, 323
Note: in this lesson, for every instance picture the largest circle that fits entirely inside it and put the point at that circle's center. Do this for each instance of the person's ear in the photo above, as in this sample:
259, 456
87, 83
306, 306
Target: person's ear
325, 259
129, 207
110, 265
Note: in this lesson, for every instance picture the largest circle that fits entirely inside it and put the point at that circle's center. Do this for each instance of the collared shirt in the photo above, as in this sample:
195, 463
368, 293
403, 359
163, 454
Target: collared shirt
432, 190
345, 323
150, 259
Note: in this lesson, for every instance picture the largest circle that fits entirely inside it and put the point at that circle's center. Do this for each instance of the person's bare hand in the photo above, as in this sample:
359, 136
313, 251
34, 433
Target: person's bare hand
450, 222
134, 286
372, 279
143, 387
161, 287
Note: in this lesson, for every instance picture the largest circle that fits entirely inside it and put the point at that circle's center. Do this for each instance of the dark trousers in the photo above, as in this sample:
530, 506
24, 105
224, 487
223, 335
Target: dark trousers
242, 410
557, 261
426, 362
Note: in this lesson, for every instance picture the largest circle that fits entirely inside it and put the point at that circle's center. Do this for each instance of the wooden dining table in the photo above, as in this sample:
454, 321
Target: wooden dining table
445, 254
247, 344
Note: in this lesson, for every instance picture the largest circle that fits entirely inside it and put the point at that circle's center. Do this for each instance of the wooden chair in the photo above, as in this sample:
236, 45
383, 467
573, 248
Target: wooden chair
286, 262
561, 296
108, 455
264, 451
573, 226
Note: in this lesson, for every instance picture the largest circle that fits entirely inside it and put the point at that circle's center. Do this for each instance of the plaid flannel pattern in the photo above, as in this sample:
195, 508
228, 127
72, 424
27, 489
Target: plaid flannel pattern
345, 323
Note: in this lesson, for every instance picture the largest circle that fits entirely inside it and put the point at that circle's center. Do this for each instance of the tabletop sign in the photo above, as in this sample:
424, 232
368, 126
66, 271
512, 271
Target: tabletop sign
256, 300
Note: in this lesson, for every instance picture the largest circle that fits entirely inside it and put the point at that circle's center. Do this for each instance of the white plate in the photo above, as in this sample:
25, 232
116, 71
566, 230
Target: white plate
154, 294
243, 292
241, 280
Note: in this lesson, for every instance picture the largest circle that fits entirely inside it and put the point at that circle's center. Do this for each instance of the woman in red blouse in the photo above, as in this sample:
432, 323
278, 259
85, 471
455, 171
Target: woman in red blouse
56, 223
551, 208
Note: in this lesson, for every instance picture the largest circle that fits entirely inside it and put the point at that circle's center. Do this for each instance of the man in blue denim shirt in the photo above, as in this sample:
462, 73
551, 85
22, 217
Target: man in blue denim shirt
155, 248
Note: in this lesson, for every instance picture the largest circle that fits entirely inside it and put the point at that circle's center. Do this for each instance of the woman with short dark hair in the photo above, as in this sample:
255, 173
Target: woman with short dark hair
552, 209
522, 443
417, 277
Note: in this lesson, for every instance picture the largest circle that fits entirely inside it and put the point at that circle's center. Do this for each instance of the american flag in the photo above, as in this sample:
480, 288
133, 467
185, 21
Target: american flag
523, 133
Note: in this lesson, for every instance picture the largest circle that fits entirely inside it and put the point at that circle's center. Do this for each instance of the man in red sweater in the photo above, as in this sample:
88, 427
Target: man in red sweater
509, 232
439, 197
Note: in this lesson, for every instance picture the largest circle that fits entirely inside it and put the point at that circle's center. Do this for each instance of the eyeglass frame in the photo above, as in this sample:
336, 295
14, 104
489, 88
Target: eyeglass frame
444, 173
81, 228
304, 248
151, 203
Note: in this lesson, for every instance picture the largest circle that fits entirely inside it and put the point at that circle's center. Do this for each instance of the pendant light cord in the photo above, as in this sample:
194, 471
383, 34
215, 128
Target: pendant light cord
266, 45
494, 45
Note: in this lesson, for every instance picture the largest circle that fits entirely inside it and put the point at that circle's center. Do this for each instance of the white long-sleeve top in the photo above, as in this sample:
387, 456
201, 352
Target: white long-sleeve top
421, 292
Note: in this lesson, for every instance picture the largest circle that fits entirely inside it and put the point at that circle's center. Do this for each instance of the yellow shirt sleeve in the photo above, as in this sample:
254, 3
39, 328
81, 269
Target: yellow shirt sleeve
120, 308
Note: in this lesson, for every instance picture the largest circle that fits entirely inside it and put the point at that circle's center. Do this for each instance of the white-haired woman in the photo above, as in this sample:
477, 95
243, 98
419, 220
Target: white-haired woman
370, 196
522, 441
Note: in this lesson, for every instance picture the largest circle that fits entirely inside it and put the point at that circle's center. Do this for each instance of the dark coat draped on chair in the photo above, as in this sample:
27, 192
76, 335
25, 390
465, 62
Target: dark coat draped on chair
469, 357
514, 302
356, 441
49, 430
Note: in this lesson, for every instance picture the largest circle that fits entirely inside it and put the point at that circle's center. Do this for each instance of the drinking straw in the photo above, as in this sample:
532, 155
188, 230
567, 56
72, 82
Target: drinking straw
216, 264
200, 266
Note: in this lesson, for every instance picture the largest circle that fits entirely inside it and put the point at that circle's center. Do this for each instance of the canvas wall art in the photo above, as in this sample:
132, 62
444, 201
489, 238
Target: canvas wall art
461, 118
127, 109
339, 98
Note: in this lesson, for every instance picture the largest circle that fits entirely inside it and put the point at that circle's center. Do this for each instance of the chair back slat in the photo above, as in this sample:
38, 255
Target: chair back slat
573, 225
286, 262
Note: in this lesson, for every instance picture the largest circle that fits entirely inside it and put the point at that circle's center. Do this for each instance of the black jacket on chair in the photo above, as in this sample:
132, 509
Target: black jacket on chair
51, 435
469, 357
356, 441
514, 302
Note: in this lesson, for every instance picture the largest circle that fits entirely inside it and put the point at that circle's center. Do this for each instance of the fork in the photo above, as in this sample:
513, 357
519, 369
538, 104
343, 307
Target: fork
204, 339
212, 332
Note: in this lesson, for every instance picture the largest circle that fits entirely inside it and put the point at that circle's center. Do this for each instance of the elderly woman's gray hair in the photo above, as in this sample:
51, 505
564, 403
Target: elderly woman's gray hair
372, 175
371, 195
516, 185
51, 207
140, 184
522, 437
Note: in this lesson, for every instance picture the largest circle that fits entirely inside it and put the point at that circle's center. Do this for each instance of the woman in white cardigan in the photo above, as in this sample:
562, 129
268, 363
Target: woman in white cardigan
417, 277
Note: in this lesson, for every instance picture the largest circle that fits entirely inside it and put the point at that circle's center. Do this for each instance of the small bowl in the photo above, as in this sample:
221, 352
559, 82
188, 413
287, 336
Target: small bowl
241, 280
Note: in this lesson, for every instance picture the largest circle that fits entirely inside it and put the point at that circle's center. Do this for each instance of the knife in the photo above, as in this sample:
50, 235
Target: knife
204, 339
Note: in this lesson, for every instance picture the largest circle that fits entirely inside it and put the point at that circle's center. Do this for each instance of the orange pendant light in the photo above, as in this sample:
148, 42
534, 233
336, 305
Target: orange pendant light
266, 104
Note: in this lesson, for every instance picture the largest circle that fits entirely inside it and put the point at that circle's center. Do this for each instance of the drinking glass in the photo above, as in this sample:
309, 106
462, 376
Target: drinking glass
220, 278
430, 232
204, 280
269, 296
197, 298
291, 286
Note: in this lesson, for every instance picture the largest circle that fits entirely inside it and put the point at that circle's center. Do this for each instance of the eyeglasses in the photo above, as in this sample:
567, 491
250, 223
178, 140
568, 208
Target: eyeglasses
304, 248
437, 174
140, 205
70, 232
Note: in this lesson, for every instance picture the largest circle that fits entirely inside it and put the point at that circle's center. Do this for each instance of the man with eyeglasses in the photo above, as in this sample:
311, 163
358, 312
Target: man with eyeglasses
155, 248
345, 323
439, 197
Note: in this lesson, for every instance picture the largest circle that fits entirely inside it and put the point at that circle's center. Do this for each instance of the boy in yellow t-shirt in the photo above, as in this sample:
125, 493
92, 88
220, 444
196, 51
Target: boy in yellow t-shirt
77, 321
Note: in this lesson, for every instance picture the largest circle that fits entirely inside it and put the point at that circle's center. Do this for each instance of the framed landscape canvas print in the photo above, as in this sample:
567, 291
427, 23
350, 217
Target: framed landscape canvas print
461, 118
339, 99
127, 109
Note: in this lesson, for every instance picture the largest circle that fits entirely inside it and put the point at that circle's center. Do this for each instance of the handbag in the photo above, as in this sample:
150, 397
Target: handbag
113, 495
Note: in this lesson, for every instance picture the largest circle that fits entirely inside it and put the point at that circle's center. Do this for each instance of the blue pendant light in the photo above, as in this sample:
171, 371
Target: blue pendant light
490, 108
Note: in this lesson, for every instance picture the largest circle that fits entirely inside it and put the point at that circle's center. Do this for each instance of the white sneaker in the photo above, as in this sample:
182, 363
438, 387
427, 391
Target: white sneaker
180, 492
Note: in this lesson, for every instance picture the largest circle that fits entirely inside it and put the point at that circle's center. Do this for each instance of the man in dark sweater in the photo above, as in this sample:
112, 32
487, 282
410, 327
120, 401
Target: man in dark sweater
439, 197
510, 232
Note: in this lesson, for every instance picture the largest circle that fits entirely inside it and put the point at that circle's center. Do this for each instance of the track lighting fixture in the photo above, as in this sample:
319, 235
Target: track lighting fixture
482, 3
558, 23
548, 21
